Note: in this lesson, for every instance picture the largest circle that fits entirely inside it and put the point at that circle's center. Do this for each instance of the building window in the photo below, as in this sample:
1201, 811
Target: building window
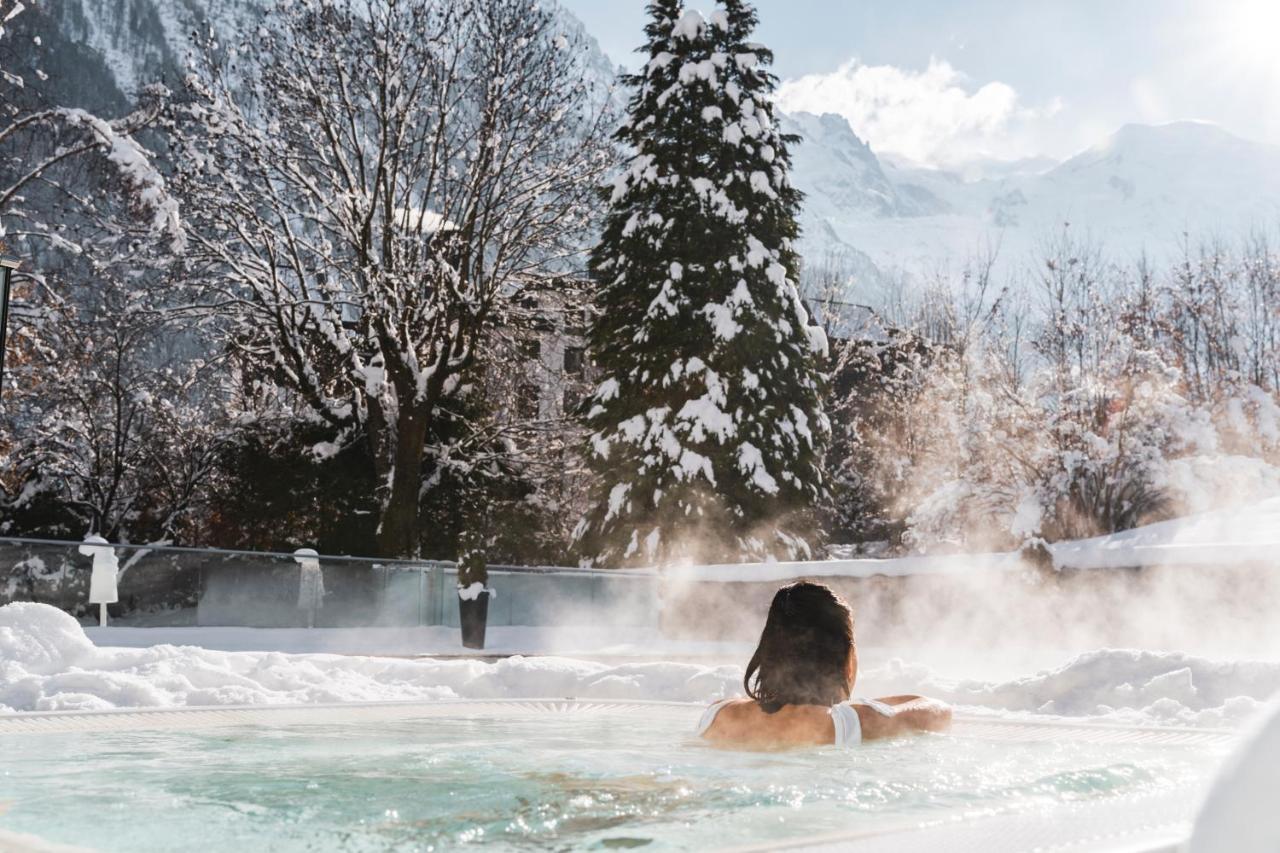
574, 360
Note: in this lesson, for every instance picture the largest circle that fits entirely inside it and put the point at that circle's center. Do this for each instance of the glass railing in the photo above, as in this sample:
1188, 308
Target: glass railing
191, 586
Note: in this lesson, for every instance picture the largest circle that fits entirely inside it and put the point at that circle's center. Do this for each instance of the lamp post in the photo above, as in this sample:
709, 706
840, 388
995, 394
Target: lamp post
7, 266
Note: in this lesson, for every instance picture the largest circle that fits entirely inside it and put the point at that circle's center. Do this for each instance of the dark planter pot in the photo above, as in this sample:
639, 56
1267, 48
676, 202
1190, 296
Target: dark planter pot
474, 615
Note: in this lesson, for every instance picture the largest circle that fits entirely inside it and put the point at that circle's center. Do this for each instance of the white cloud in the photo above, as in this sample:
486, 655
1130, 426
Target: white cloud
930, 116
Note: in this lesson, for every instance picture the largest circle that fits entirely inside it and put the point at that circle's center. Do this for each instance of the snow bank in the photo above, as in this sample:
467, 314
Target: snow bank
1122, 685
40, 640
1239, 814
47, 663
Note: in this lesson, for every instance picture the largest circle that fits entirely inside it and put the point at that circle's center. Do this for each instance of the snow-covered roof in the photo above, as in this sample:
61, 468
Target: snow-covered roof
429, 221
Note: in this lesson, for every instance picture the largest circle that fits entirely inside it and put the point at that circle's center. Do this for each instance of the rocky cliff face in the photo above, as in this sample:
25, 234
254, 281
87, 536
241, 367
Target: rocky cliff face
840, 172
98, 54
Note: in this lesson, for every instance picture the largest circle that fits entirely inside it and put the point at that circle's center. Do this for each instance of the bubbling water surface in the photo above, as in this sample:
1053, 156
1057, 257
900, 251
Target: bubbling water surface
531, 783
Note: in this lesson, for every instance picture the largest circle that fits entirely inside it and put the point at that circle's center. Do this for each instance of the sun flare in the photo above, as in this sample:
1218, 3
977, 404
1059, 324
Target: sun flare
1246, 36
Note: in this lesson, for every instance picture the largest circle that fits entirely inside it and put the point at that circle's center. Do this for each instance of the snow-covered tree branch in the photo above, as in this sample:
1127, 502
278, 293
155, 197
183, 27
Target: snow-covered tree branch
39, 142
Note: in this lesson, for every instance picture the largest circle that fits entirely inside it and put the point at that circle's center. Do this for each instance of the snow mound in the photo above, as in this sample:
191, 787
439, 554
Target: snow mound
1239, 814
47, 663
40, 639
1236, 534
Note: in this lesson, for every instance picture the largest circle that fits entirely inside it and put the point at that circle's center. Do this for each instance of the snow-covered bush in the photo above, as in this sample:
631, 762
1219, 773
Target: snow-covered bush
285, 479
1116, 398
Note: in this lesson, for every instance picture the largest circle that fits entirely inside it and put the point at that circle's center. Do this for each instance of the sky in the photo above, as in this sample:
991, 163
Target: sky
943, 83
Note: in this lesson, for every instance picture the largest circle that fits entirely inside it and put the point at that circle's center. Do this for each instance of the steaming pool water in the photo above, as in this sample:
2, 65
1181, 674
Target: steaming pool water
555, 775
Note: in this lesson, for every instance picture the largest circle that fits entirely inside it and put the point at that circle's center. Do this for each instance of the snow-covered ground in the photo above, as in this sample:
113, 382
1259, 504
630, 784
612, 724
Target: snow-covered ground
1232, 536
48, 663
1238, 534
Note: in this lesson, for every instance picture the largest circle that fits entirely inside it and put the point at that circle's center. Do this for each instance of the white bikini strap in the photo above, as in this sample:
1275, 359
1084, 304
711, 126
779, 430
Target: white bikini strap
709, 716
848, 726
884, 709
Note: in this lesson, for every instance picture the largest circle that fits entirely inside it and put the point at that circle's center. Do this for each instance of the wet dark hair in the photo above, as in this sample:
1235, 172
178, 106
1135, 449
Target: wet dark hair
803, 649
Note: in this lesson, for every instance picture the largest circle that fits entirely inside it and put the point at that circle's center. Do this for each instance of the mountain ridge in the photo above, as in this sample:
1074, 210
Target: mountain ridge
1141, 189
137, 42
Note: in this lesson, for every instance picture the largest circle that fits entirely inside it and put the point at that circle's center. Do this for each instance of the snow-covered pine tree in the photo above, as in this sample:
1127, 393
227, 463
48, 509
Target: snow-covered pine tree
707, 431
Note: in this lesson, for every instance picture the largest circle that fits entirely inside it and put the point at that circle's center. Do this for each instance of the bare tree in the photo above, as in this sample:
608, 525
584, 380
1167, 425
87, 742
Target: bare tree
112, 426
97, 419
375, 197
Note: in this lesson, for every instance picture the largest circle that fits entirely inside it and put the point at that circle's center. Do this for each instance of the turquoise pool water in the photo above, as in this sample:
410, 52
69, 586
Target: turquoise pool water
533, 782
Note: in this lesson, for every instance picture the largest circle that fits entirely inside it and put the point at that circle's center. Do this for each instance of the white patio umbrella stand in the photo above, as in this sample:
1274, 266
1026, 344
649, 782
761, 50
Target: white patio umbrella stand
106, 569
310, 584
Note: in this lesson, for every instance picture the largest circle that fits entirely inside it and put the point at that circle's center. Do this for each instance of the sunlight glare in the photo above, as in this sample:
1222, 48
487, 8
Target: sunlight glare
1248, 31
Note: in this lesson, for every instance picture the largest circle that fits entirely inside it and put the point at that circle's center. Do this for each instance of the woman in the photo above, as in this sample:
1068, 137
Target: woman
800, 679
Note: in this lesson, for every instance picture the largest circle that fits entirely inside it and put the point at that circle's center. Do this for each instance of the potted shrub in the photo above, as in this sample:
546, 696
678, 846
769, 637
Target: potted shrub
473, 590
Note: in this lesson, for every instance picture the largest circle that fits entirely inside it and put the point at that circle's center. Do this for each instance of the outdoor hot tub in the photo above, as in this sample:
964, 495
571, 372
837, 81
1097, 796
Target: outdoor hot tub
564, 774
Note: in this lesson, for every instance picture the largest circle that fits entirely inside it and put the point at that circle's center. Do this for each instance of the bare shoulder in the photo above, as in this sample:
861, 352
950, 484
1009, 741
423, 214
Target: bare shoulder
735, 713
725, 711
735, 702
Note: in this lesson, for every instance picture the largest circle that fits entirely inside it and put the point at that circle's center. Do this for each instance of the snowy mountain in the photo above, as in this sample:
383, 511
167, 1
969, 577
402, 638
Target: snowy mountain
98, 53
1162, 180
846, 177
1139, 190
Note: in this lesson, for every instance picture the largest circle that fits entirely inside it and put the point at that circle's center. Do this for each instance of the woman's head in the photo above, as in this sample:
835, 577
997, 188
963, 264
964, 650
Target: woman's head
806, 652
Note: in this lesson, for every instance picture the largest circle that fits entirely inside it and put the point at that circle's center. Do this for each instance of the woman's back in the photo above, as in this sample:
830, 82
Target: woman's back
742, 723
